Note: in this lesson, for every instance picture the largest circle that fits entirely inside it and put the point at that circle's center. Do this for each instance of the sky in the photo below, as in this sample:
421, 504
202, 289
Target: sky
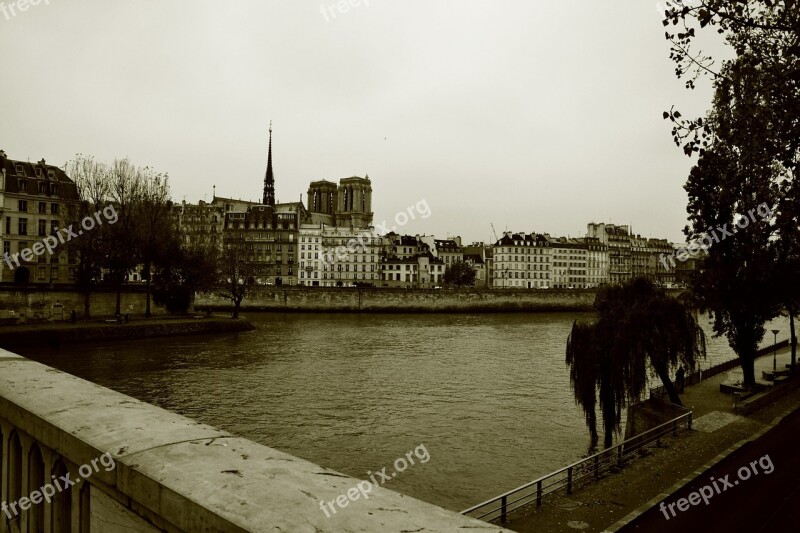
529, 115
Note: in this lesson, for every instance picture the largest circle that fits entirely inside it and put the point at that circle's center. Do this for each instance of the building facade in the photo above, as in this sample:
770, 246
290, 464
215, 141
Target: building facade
339, 257
596, 262
570, 263
523, 261
618, 241
35, 198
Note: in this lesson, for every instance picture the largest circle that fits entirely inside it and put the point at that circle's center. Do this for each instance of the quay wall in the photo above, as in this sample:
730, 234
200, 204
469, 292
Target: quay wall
319, 299
44, 303
169, 473
15, 336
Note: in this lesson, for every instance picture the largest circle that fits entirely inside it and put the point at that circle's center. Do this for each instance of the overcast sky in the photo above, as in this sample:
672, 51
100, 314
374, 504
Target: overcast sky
532, 115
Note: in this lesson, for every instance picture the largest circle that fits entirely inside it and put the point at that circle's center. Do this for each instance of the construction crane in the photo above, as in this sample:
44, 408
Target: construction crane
495, 232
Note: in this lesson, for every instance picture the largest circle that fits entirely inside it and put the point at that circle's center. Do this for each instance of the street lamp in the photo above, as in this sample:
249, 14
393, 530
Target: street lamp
775, 351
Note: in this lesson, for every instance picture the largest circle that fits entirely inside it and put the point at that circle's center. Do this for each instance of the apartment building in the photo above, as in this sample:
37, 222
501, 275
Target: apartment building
339, 257
523, 261
34, 199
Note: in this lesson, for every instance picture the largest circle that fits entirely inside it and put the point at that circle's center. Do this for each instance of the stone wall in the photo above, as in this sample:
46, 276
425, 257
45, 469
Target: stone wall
169, 473
403, 300
54, 335
57, 304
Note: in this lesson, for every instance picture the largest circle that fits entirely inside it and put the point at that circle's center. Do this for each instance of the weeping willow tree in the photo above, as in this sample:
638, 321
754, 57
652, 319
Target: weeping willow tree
584, 373
638, 329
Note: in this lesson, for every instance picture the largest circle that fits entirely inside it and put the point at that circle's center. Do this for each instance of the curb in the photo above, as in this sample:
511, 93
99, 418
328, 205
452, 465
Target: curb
694, 475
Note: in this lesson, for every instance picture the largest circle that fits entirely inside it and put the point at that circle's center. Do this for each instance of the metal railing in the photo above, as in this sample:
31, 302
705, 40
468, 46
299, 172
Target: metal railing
703, 374
576, 474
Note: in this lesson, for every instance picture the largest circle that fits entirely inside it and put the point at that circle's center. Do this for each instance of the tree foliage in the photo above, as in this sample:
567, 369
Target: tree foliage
92, 184
749, 150
637, 328
140, 232
460, 274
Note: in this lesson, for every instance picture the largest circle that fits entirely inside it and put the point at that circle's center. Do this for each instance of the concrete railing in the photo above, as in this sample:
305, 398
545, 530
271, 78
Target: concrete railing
168, 473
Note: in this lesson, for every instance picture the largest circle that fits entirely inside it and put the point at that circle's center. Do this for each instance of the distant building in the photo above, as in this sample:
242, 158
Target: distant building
201, 224
664, 275
685, 270
347, 206
618, 240
423, 271
522, 261
448, 250
477, 255
270, 231
405, 246
339, 257
569, 265
596, 262
34, 199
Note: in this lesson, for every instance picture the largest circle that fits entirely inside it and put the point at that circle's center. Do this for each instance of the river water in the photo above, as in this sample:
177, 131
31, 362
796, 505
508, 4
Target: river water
488, 395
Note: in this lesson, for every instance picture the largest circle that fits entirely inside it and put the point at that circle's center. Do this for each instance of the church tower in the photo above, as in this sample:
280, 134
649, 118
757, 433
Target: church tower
354, 203
269, 179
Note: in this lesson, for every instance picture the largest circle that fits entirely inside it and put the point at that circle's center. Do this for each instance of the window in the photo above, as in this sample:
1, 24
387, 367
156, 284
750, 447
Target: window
22, 226
42, 208
7, 247
23, 206
53, 209
8, 225
42, 228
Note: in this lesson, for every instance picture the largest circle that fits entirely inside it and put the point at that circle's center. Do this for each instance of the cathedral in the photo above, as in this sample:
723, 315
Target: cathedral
270, 231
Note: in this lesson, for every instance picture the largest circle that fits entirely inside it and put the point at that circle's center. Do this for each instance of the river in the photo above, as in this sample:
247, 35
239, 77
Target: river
488, 395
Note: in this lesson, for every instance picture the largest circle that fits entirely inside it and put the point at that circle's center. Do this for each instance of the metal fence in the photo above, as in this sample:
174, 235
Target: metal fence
576, 474
700, 375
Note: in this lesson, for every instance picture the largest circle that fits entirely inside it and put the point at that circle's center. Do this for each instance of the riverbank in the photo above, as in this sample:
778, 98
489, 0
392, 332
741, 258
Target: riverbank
609, 504
57, 334
351, 300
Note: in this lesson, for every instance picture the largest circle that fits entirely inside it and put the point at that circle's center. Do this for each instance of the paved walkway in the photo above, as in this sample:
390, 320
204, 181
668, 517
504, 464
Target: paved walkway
598, 506
760, 479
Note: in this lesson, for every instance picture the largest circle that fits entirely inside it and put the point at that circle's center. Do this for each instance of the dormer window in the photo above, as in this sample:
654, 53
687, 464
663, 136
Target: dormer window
39, 172
20, 169
51, 174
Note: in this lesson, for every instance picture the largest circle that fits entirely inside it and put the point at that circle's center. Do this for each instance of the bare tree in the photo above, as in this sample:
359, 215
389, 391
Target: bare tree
91, 179
155, 224
123, 250
236, 273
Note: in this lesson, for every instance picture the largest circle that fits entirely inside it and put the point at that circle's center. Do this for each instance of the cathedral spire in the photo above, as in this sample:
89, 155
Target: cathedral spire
269, 179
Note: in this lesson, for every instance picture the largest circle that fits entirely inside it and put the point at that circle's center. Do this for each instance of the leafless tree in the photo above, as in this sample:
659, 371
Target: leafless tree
93, 193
